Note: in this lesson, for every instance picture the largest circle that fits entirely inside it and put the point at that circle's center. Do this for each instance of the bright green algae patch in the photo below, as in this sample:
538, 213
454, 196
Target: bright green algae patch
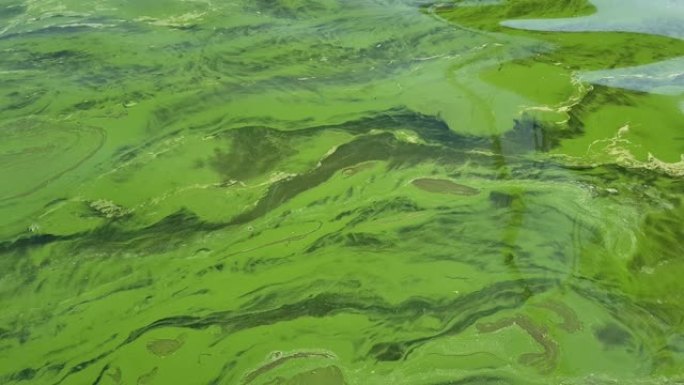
334, 192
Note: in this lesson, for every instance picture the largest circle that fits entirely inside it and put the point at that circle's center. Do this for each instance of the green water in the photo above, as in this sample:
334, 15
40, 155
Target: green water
341, 192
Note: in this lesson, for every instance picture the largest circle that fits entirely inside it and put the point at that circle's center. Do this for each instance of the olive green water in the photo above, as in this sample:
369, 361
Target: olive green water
329, 192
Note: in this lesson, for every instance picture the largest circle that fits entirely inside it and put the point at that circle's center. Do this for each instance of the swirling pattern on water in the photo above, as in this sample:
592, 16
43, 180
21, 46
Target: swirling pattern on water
299, 192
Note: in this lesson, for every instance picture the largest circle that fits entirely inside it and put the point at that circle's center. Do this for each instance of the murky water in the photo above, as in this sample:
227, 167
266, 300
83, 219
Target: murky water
329, 192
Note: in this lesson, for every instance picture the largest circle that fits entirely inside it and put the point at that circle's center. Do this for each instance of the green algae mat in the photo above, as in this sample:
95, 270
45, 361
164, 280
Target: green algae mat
341, 192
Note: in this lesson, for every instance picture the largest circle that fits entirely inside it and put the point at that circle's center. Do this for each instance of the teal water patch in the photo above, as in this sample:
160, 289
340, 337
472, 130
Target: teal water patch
662, 17
658, 17
665, 77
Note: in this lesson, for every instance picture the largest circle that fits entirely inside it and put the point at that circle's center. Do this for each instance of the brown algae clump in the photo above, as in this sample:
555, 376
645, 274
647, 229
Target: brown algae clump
165, 346
571, 322
444, 186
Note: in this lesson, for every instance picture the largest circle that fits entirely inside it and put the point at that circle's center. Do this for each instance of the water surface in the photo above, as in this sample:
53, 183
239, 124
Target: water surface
307, 192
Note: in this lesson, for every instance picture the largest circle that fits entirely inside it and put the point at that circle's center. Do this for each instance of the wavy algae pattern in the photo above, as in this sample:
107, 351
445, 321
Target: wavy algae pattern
329, 192
36, 153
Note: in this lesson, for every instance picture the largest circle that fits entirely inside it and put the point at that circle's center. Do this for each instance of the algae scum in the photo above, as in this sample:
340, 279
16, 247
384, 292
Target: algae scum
329, 192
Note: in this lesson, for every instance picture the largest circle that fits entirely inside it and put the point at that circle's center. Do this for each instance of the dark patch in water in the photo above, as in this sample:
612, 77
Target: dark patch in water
48, 31
388, 352
612, 334
364, 240
101, 374
260, 148
25, 374
380, 208
24, 243
531, 134
85, 105
501, 199
168, 233
11, 10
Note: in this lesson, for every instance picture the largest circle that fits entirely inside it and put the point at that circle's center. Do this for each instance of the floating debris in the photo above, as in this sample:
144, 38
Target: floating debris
108, 209
444, 186
166, 346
